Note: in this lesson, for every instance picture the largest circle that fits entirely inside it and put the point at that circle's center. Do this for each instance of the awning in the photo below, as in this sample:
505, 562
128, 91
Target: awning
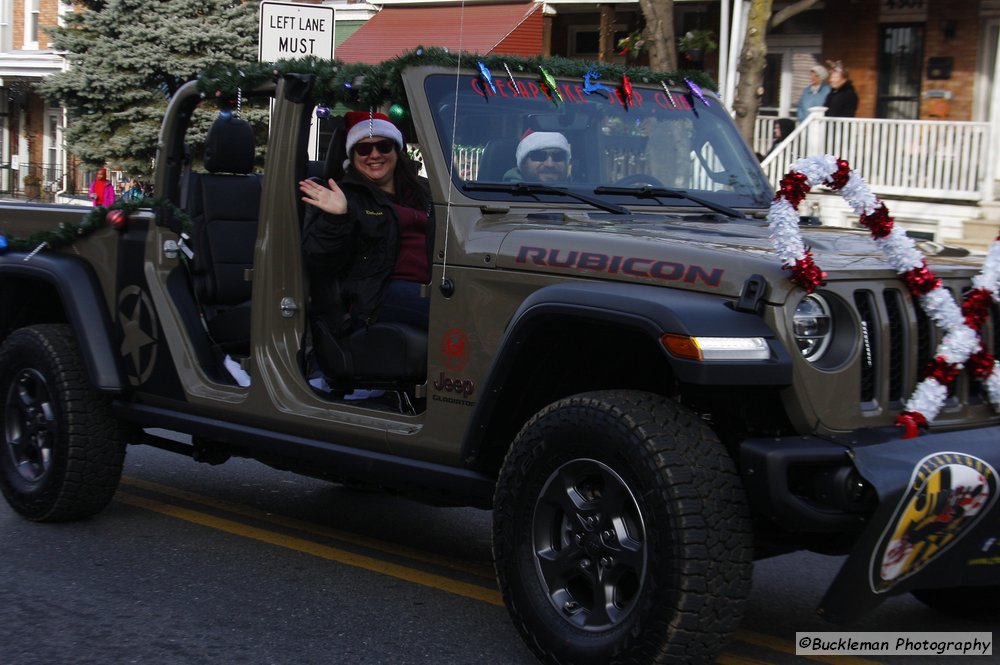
515, 29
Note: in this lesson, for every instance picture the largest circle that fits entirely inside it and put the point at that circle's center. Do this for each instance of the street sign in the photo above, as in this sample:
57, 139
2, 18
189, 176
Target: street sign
289, 30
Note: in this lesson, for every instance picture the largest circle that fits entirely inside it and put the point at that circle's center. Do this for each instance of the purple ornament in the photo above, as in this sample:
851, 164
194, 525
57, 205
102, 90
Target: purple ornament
696, 91
322, 112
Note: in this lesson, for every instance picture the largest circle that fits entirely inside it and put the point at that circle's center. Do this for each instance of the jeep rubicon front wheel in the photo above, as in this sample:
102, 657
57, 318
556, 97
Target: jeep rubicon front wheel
63, 452
621, 533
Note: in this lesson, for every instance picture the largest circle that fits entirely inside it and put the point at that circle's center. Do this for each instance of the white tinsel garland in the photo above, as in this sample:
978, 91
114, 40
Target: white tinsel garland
960, 341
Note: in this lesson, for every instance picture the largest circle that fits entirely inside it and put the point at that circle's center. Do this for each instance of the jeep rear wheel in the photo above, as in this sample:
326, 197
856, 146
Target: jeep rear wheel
621, 533
63, 452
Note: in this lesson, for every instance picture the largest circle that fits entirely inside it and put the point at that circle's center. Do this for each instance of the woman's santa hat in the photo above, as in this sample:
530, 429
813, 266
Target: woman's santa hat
532, 140
361, 124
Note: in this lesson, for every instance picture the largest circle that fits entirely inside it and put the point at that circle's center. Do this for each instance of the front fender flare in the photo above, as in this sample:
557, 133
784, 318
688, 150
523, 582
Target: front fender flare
84, 305
652, 310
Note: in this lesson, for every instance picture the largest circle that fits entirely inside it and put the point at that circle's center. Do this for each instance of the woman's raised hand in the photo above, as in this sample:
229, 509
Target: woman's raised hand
331, 200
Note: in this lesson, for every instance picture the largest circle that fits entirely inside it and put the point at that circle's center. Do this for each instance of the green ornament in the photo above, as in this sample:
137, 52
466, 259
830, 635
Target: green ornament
398, 113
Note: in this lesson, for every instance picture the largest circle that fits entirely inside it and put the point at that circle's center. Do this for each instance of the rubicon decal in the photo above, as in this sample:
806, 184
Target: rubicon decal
668, 271
948, 493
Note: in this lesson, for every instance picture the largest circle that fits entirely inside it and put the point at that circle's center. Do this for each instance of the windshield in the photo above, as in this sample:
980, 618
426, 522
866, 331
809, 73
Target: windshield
588, 141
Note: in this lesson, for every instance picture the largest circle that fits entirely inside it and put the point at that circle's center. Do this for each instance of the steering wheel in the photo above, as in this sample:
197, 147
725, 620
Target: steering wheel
640, 179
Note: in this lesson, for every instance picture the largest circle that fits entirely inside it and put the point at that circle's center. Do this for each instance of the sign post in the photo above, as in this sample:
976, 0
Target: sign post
289, 30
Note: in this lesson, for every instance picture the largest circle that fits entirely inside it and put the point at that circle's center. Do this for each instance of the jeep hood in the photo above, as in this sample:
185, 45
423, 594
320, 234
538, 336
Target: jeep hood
702, 252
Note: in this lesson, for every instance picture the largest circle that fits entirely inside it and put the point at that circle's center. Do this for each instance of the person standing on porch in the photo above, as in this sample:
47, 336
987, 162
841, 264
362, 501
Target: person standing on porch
815, 93
842, 101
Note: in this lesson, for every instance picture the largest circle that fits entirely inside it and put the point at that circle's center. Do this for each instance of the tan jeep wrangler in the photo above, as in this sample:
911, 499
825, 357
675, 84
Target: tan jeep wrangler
616, 362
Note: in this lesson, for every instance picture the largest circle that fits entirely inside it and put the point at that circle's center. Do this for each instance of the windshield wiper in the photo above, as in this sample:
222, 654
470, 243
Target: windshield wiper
536, 188
647, 191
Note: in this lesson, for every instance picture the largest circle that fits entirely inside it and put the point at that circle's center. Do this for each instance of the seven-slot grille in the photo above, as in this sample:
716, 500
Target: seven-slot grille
898, 343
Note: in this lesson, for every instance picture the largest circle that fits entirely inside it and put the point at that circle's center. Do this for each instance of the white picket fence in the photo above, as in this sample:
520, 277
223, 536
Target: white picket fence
931, 159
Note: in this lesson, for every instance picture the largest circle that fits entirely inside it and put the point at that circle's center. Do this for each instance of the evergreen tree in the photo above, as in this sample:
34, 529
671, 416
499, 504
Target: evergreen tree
127, 57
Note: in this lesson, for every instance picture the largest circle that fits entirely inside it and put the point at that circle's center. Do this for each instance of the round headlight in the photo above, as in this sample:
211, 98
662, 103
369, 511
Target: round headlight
812, 327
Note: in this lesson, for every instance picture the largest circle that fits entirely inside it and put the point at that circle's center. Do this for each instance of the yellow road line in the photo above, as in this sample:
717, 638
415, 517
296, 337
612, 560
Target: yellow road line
372, 564
480, 570
784, 645
473, 591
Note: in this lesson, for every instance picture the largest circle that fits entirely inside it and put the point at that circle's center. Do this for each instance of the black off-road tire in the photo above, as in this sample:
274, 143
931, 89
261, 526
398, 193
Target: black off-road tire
62, 452
621, 533
968, 601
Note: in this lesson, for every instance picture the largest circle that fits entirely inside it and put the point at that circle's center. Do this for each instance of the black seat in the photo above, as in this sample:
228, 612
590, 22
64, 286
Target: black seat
497, 159
386, 354
332, 165
224, 205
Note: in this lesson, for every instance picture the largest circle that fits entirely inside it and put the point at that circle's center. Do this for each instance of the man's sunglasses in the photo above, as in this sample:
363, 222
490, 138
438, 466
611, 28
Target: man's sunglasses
542, 155
385, 146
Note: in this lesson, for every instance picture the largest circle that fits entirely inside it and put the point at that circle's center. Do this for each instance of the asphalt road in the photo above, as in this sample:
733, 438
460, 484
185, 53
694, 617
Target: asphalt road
240, 563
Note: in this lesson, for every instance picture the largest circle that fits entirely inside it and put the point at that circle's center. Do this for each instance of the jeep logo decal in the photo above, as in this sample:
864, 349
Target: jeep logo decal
669, 271
140, 334
464, 387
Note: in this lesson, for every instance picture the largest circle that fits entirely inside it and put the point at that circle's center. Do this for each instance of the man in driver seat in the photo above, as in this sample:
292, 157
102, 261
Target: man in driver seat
541, 157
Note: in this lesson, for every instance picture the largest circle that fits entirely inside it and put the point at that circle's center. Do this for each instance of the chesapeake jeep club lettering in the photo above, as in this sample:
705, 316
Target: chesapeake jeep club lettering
669, 271
572, 93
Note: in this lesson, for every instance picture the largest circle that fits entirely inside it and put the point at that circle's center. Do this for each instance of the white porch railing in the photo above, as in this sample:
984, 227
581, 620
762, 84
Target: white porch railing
915, 158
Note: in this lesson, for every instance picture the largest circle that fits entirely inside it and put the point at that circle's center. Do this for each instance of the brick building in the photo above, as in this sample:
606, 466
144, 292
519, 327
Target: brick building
913, 59
908, 59
31, 146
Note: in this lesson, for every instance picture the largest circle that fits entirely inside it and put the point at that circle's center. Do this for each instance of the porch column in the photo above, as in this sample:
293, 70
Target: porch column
606, 39
989, 186
547, 13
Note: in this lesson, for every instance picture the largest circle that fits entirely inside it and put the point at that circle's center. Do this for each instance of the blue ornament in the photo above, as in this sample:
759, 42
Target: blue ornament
486, 75
226, 114
322, 112
590, 86
3, 244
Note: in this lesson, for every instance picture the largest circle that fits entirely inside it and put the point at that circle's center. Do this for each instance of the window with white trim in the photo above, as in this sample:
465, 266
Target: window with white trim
31, 12
6, 25
53, 145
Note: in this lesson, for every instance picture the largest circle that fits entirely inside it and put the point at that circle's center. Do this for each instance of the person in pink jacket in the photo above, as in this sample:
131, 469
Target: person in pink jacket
102, 192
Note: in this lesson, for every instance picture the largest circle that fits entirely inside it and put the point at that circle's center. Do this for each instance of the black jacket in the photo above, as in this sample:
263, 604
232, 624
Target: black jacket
842, 102
349, 257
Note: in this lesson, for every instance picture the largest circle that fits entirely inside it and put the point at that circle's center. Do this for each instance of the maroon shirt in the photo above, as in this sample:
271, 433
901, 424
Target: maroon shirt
411, 261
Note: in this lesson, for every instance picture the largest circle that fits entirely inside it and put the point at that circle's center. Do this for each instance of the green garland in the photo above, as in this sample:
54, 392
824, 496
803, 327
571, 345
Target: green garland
67, 232
366, 86
353, 85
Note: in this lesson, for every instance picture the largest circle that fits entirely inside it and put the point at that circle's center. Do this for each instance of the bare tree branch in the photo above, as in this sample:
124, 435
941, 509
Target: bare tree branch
788, 12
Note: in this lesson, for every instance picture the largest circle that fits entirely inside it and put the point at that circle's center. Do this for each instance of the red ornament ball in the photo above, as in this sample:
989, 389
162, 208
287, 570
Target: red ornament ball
116, 219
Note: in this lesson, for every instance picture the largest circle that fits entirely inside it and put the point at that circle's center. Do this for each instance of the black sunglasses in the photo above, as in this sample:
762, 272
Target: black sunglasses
385, 146
542, 155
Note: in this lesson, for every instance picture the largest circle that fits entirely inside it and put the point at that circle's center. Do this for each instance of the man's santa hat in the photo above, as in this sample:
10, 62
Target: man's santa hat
362, 124
532, 140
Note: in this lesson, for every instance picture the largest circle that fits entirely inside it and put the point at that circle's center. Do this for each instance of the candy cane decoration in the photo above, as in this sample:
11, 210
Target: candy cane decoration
961, 342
